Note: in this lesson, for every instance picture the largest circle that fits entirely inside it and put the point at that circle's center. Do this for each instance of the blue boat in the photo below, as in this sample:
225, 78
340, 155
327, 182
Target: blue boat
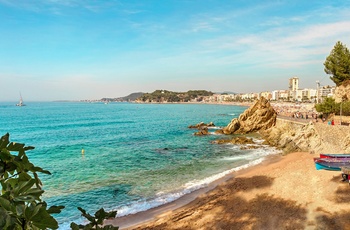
331, 164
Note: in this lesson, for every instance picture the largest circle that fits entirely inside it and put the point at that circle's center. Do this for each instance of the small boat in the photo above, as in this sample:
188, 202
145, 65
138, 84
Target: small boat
20, 103
340, 155
332, 164
332, 159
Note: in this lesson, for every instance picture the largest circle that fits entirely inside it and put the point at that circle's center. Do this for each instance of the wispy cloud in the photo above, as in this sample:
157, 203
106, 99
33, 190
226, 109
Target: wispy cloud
59, 6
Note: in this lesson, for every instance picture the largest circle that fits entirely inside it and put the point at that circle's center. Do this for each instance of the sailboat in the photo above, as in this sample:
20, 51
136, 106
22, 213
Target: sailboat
20, 103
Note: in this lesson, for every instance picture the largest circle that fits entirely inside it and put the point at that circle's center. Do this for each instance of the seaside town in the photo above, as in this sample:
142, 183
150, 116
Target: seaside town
163, 160
293, 94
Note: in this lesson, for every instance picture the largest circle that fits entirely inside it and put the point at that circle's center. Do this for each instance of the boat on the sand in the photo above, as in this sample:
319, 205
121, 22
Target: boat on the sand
332, 164
339, 155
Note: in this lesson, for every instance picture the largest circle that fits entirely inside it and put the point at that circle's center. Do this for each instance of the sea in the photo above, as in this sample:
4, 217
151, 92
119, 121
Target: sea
127, 157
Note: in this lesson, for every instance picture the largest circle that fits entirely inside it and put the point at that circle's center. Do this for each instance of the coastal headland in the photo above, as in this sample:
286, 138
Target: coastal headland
283, 192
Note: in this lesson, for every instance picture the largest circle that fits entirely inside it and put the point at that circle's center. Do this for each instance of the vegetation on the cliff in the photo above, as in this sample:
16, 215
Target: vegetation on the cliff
338, 64
169, 96
329, 106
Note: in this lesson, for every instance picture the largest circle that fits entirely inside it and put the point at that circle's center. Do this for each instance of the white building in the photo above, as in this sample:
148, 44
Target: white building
278, 95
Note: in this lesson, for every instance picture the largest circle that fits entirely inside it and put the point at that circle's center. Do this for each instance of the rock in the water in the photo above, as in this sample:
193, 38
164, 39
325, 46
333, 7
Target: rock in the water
259, 116
201, 125
202, 131
237, 140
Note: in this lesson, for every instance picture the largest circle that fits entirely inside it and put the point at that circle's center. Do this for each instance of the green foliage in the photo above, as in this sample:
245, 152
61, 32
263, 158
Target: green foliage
338, 64
330, 106
169, 96
20, 204
95, 221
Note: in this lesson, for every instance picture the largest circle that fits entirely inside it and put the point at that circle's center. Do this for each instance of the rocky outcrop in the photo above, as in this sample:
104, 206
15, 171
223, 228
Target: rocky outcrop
259, 116
342, 92
201, 125
202, 131
311, 137
202, 128
240, 140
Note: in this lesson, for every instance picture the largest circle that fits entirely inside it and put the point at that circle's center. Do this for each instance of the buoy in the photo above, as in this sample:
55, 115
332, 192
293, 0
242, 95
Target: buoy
82, 151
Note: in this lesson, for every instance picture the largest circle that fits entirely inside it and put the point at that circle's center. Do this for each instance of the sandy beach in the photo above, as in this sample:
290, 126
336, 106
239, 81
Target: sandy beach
283, 192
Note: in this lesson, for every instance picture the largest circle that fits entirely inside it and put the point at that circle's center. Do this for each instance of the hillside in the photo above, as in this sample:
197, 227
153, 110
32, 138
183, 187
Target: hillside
160, 96
130, 97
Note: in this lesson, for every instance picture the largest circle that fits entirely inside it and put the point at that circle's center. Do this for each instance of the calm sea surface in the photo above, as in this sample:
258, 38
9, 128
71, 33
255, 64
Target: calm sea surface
137, 156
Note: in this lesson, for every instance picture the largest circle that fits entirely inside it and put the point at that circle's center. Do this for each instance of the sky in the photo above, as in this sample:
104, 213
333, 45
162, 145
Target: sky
90, 49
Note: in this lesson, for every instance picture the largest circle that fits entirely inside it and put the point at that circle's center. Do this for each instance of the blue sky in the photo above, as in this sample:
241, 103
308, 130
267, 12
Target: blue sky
89, 49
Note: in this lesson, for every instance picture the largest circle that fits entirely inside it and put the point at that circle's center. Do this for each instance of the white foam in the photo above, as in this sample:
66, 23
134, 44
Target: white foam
164, 198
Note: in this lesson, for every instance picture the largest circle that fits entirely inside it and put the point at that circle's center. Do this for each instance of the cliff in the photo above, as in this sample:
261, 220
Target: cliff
342, 92
311, 137
260, 116
290, 135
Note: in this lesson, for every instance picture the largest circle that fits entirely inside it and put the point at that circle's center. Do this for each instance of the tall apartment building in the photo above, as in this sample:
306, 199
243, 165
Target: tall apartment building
293, 84
293, 88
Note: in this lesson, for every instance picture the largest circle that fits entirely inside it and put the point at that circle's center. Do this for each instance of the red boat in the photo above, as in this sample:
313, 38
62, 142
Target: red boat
340, 155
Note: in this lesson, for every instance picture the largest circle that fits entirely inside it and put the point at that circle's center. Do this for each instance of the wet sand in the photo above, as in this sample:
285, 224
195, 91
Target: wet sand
283, 192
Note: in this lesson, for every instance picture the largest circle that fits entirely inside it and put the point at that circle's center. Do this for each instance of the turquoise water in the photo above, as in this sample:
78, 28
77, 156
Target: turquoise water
137, 156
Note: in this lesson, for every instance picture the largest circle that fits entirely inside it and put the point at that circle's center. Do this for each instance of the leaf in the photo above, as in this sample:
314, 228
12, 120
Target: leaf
38, 169
15, 147
55, 209
74, 226
6, 204
5, 155
111, 214
20, 209
37, 180
28, 148
27, 198
24, 186
100, 216
5, 220
44, 220
37, 192
4, 141
87, 215
32, 210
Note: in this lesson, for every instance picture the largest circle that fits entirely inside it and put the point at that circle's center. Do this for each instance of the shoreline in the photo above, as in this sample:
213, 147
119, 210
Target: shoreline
136, 220
281, 192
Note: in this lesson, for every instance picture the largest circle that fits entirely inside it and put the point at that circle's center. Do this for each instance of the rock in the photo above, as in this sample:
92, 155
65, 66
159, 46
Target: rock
342, 92
200, 125
211, 124
202, 131
292, 137
240, 140
219, 131
260, 116
221, 141
249, 147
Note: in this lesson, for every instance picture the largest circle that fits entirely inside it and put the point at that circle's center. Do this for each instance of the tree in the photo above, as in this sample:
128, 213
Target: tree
20, 204
338, 64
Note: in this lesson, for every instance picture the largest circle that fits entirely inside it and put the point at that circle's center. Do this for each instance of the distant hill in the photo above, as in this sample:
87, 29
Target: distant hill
226, 92
130, 97
160, 96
